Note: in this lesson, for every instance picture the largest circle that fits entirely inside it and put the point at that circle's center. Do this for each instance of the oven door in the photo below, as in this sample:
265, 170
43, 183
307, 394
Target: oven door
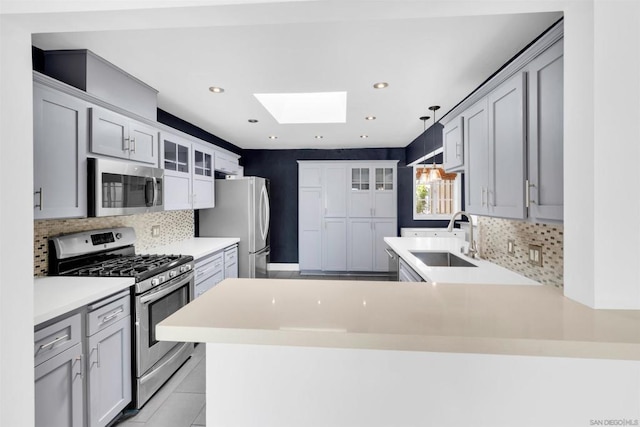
152, 307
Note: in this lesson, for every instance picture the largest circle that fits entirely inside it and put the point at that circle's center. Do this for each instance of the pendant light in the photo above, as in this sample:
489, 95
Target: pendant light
434, 173
423, 175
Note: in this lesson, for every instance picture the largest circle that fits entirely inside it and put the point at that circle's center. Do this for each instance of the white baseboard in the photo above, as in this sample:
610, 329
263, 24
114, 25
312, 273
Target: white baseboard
283, 267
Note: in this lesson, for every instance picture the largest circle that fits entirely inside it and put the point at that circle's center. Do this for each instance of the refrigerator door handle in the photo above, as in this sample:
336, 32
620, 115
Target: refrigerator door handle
264, 213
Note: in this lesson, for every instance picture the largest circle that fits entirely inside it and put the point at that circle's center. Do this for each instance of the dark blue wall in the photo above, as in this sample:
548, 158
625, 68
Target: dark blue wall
426, 142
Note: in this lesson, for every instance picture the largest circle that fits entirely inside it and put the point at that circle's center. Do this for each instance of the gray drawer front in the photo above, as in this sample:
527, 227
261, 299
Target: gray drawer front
209, 267
230, 256
108, 314
56, 338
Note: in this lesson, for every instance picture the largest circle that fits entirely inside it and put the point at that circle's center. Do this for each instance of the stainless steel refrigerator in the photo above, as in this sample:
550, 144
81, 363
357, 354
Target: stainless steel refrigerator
241, 210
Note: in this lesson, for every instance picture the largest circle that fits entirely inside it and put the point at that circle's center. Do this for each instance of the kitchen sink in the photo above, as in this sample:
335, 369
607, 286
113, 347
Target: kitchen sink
441, 259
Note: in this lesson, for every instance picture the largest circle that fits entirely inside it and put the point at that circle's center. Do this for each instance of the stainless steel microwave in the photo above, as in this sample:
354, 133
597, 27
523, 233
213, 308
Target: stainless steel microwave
122, 188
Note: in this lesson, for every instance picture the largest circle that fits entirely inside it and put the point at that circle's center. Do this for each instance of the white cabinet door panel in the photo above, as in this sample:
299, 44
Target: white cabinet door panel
143, 141
476, 139
60, 125
109, 133
310, 229
58, 390
506, 150
453, 147
109, 372
360, 244
177, 190
334, 244
382, 229
309, 175
334, 190
546, 135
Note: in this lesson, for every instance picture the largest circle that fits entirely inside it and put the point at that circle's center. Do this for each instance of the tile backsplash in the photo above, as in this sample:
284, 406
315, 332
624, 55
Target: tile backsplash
174, 226
495, 232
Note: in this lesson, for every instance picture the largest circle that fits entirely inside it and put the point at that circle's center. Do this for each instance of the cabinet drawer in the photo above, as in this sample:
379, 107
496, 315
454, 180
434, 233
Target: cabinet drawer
107, 312
205, 284
230, 255
56, 338
208, 267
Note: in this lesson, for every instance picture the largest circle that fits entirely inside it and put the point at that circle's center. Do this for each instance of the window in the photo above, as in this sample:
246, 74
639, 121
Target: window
438, 199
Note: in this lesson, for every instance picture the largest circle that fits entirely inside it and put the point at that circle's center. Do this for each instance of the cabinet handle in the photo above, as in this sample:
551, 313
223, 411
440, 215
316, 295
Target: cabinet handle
458, 145
55, 341
98, 355
81, 370
39, 193
482, 196
133, 145
527, 190
112, 316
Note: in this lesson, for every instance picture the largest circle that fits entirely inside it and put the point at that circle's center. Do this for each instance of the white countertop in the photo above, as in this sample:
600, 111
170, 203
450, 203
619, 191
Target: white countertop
459, 318
57, 295
486, 272
197, 247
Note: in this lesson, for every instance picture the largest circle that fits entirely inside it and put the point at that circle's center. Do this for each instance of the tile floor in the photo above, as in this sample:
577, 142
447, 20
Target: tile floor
181, 401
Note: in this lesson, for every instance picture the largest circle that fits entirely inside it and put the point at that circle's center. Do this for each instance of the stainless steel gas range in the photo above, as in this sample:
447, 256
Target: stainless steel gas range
163, 285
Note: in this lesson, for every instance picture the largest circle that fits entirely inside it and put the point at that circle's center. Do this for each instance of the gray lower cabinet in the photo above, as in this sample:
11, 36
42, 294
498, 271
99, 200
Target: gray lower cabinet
231, 262
59, 372
209, 271
84, 381
59, 154
545, 197
108, 360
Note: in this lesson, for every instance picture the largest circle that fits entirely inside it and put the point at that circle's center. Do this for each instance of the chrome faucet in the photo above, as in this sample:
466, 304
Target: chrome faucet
472, 252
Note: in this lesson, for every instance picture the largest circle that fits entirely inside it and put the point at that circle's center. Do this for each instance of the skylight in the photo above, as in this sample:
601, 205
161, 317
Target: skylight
298, 108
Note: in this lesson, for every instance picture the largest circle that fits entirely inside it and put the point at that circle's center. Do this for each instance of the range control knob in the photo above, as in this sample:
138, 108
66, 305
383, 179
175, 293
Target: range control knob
184, 268
155, 282
118, 236
172, 273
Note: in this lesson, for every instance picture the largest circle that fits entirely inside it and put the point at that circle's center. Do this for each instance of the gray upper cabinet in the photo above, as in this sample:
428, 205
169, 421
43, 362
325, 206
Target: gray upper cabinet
453, 146
494, 138
511, 130
506, 149
115, 135
60, 144
545, 189
476, 140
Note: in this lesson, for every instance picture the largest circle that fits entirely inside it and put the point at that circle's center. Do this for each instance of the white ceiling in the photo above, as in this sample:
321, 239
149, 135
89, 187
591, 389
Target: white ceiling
426, 61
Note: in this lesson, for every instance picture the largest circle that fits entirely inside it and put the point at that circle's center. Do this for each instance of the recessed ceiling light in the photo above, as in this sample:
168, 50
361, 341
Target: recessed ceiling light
273, 137
318, 137
364, 136
380, 85
252, 121
370, 118
216, 89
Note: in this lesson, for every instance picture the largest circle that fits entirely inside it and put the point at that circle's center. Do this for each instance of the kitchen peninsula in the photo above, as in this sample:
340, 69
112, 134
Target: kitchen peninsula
349, 353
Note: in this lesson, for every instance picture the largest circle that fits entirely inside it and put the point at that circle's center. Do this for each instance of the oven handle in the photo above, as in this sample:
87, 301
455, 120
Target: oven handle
166, 289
